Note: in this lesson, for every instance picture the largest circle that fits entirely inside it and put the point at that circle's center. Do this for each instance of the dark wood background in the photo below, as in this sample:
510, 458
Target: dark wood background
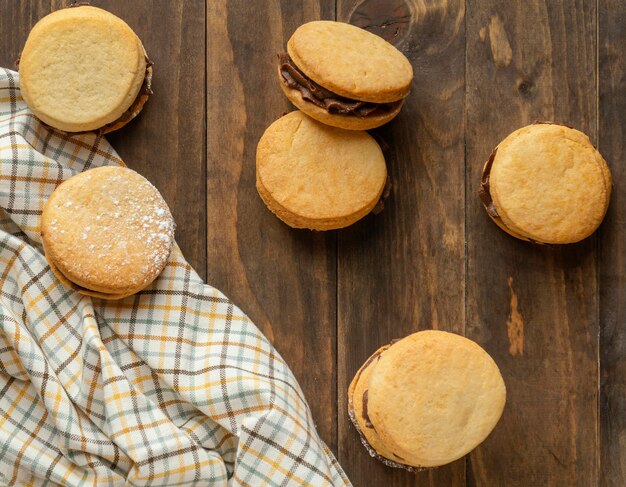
554, 318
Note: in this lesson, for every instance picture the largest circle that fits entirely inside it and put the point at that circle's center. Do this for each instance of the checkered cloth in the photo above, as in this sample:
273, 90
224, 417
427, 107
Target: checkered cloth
172, 386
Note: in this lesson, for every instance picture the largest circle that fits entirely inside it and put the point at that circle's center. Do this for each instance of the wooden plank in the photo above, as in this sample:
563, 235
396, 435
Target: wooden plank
16, 20
534, 308
284, 279
612, 145
166, 142
403, 270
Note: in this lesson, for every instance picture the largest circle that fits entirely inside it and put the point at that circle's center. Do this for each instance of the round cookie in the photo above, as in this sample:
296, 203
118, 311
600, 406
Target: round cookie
434, 396
318, 177
344, 76
546, 183
82, 69
107, 232
351, 61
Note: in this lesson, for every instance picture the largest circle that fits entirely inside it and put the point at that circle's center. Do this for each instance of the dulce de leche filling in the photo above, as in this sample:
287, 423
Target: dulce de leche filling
484, 192
133, 110
364, 412
144, 91
333, 103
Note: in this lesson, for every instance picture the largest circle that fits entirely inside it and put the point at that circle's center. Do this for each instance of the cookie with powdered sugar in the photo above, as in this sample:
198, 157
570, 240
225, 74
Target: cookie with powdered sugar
107, 232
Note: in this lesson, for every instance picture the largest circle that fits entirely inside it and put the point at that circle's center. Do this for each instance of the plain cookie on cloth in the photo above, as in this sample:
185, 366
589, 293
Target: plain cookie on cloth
332, 67
546, 183
82, 69
107, 232
318, 177
426, 400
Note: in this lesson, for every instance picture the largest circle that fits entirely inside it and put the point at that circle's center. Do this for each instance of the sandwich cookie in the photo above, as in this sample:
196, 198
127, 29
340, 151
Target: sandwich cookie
546, 183
318, 177
107, 232
84, 69
426, 400
344, 76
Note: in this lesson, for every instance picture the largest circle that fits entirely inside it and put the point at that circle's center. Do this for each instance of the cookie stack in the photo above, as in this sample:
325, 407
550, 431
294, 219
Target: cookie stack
84, 69
426, 400
316, 168
546, 183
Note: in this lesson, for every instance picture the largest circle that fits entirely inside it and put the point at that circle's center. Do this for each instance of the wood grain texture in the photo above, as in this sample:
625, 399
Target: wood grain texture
403, 270
166, 143
612, 254
17, 18
284, 279
552, 317
534, 308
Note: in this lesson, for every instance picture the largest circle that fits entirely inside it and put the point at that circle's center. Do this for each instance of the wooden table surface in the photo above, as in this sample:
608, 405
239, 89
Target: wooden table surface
554, 318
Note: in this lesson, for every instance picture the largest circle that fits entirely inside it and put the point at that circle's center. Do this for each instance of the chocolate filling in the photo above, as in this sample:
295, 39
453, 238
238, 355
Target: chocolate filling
134, 108
387, 461
369, 424
375, 356
333, 103
484, 193
364, 414
380, 205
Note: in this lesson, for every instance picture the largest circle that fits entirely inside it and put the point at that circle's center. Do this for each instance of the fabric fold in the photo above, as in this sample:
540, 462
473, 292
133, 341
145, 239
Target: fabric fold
172, 386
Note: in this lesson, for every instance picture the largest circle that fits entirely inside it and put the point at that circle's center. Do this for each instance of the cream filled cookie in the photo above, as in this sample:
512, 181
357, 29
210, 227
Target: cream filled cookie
344, 76
107, 232
318, 177
546, 183
84, 69
426, 400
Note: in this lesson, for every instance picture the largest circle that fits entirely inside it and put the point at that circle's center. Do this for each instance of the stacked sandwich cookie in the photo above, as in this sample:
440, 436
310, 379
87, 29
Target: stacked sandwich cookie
316, 168
546, 183
84, 69
344, 76
426, 400
107, 232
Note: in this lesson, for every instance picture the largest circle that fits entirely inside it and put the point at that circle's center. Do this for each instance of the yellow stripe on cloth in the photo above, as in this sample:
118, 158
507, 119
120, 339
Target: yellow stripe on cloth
171, 386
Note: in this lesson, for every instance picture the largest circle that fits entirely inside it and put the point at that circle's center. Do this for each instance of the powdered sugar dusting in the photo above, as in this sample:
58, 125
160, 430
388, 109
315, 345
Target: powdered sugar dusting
120, 231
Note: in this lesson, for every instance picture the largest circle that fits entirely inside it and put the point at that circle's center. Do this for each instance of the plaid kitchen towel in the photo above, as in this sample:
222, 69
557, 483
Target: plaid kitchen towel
172, 386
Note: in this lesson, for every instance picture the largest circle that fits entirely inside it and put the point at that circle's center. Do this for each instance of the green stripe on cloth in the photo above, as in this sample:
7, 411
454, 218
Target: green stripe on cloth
172, 386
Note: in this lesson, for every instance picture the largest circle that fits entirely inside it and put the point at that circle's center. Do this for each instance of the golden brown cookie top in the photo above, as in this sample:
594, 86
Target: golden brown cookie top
319, 172
81, 68
434, 396
550, 184
108, 229
350, 61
